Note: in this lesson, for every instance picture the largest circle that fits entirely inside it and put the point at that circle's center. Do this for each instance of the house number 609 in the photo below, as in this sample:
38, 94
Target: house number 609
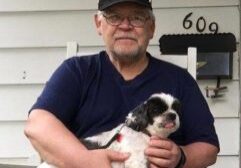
200, 24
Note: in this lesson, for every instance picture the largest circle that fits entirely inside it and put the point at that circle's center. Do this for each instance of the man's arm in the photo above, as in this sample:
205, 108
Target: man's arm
165, 153
200, 155
59, 147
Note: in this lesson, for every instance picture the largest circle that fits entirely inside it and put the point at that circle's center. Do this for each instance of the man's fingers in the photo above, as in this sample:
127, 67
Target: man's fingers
117, 156
153, 166
164, 144
154, 152
159, 161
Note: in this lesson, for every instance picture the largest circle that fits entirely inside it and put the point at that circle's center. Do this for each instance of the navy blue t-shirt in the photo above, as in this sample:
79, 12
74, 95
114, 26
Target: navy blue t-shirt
90, 96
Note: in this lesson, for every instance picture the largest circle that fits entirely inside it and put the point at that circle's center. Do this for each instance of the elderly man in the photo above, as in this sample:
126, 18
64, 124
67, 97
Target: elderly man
91, 94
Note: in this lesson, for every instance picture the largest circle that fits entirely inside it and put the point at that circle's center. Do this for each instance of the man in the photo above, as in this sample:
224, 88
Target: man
91, 94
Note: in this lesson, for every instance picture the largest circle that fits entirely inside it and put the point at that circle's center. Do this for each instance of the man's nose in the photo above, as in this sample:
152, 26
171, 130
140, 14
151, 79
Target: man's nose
125, 24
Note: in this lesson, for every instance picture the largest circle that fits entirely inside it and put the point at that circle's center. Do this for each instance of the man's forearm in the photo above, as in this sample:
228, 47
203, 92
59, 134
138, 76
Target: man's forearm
54, 142
200, 155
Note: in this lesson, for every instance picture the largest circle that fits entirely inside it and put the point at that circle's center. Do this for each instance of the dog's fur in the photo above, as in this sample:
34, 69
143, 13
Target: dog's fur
157, 116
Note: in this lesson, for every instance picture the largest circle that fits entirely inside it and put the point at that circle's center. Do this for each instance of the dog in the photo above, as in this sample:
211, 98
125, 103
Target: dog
157, 116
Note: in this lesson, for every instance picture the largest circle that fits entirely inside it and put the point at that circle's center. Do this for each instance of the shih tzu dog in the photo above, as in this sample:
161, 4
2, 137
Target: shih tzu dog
156, 116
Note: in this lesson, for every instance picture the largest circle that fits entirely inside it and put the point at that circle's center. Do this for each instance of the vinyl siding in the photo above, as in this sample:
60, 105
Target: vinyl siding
33, 43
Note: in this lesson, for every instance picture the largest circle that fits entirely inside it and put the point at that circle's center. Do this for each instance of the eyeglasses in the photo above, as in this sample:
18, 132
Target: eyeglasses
134, 20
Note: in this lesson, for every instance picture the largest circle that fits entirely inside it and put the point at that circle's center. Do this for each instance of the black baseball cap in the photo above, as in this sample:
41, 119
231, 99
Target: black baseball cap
103, 4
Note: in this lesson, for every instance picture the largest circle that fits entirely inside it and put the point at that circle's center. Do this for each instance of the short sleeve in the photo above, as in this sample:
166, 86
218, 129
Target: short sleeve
197, 119
61, 94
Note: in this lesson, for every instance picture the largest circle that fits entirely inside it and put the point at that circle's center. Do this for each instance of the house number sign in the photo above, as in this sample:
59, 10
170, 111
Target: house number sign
201, 24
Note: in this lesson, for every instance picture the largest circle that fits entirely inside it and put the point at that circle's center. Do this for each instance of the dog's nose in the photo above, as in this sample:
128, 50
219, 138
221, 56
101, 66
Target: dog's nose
171, 116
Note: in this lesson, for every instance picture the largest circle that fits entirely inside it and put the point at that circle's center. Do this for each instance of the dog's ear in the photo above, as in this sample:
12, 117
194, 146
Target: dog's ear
138, 119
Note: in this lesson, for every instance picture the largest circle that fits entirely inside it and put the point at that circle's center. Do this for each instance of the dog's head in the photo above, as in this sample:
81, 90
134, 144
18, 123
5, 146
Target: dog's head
158, 115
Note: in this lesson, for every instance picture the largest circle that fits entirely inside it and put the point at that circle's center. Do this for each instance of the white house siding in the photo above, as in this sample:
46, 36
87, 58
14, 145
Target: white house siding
33, 43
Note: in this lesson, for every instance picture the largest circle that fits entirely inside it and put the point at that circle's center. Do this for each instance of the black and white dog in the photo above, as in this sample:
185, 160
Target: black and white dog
157, 116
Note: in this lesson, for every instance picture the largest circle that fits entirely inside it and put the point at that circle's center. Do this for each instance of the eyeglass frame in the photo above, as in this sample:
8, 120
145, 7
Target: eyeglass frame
122, 18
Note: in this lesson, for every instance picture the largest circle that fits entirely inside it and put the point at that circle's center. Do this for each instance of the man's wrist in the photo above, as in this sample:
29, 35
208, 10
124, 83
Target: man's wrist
182, 160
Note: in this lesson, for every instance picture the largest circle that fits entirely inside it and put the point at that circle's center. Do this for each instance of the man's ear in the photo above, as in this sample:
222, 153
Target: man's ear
98, 24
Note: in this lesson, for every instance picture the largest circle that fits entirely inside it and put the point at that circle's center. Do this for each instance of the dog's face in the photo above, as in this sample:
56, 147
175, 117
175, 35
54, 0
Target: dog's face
158, 115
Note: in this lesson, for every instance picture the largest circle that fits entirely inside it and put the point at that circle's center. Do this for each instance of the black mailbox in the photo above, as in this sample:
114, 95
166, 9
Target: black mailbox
214, 52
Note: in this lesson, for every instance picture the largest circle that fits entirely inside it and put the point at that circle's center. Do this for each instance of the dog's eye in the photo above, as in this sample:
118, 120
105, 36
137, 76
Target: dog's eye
156, 110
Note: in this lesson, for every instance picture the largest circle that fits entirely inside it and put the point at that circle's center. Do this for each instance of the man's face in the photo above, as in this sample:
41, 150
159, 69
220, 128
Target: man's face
125, 41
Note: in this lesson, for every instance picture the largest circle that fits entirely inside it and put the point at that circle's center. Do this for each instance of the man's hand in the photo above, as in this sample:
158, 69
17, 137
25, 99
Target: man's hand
104, 158
162, 153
